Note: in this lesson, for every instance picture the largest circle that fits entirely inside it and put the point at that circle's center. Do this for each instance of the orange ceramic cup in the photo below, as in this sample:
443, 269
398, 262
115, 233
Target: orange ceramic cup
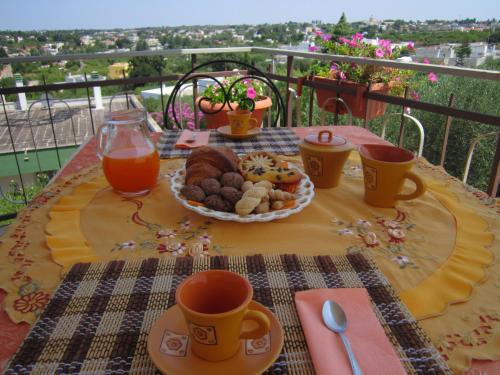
215, 305
241, 121
385, 169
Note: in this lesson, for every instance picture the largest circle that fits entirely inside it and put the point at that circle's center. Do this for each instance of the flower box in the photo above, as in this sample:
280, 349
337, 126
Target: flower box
357, 103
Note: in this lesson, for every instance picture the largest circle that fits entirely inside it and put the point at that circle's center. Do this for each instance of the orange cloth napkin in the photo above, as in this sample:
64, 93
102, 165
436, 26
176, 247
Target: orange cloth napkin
200, 140
371, 346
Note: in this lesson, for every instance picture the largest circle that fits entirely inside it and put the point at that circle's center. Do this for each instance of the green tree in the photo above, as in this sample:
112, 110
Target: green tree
123, 43
141, 45
463, 51
494, 38
3, 52
144, 66
342, 28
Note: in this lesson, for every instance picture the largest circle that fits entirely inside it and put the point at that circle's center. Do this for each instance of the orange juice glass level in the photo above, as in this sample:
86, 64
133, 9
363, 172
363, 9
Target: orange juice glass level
132, 170
129, 158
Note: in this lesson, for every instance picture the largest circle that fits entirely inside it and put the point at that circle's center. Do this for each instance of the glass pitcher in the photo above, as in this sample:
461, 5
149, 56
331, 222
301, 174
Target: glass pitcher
129, 158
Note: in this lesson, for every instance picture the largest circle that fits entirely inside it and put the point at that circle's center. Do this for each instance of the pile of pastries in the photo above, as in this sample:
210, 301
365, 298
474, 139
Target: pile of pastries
257, 183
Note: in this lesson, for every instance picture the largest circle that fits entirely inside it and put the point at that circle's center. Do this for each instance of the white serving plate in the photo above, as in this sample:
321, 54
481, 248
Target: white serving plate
304, 194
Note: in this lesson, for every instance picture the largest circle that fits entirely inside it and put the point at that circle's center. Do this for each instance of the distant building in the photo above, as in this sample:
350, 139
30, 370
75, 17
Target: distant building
446, 53
87, 40
6, 72
152, 42
115, 71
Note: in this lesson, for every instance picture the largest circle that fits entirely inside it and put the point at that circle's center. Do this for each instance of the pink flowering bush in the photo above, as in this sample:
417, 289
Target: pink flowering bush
243, 92
184, 114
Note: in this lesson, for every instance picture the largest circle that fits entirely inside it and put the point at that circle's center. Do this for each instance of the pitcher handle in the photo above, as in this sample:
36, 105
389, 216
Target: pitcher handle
421, 187
102, 135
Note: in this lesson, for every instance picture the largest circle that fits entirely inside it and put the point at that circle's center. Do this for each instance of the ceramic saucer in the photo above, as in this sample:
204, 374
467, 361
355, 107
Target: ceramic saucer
170, 350
226, 132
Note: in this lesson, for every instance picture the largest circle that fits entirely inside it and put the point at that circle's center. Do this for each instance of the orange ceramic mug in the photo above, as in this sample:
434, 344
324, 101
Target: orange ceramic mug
385, 169
241, 121
215, 305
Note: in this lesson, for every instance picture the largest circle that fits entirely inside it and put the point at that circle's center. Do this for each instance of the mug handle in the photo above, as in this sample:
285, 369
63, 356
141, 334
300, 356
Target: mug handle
421, 187
261, 319
254, 121
102, 134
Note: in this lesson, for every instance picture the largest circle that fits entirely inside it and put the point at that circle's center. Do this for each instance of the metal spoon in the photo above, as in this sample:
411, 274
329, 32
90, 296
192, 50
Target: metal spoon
335, 319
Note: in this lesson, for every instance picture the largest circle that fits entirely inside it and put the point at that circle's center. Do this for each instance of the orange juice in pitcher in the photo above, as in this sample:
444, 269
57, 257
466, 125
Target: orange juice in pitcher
129, 158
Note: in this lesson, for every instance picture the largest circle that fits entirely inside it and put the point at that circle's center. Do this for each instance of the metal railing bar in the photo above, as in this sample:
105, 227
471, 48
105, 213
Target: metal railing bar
446, 135
436, 108
33, 135
15, 152
10, 215
115, 55
90, 104
52, 123
495, 171
107, 82
425, 68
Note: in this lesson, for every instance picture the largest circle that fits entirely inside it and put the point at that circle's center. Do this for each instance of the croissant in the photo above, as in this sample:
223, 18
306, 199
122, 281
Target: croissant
256, 192
246, 205
222, 158
200, 171
279, 195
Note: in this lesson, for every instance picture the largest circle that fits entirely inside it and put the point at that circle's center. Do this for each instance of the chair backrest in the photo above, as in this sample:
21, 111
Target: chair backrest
191, 79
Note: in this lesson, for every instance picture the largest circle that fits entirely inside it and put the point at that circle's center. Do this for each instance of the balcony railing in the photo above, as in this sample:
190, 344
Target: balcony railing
291, 86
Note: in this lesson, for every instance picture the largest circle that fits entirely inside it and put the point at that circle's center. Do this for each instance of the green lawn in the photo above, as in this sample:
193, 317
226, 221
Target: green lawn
46, 157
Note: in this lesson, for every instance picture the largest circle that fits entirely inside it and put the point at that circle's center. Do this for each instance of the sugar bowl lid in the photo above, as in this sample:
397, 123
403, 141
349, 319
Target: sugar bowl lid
326, 140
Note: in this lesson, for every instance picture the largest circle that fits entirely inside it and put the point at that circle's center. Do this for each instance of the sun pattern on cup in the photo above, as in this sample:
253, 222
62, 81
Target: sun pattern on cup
203, 335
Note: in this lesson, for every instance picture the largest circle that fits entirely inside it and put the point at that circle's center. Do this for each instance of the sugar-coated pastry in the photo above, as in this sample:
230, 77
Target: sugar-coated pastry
265, 184
246, 186
278, 205
262, 208
255, 192
246, 205
279, 195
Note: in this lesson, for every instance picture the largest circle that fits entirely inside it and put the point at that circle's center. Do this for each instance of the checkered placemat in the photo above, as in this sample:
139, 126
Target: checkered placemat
99, 317
278, 140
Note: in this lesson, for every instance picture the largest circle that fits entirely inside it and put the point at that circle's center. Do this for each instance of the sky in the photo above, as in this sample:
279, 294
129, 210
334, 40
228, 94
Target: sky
108, 14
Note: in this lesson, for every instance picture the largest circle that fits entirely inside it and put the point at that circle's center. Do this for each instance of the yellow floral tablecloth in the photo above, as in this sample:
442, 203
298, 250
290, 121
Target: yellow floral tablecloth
434, 250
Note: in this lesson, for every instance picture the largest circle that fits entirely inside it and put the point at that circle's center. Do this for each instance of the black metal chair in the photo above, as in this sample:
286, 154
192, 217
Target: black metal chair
248, 72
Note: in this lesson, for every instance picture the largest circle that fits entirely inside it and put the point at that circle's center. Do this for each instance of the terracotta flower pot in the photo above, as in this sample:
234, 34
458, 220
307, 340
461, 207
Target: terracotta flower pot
214, 121
357, 103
